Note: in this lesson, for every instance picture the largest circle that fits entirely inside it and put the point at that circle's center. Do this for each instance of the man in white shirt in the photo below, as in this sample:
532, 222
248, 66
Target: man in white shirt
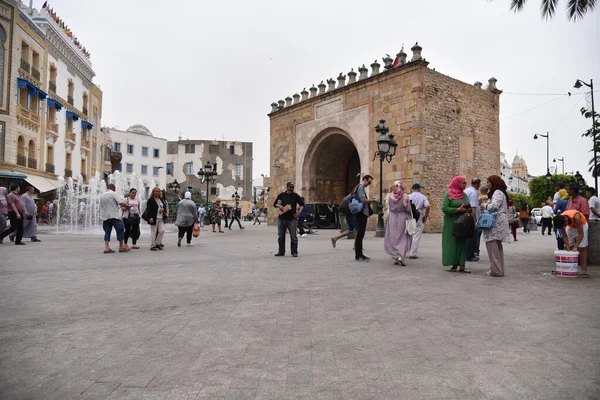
473, 243
547, 218
110, 214
594, 203
422, 205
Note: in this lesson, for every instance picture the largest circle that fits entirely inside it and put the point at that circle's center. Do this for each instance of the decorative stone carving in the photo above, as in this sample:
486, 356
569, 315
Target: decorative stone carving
304, 94
115, 159
388, 61
296, 97
341, 80
401, 57
351, 76
288, 101
274, 107
281, 104
375, 68
477, 85
331, 83
328, 108
492, 86
363, 71
322, 87
313, 91
416, 49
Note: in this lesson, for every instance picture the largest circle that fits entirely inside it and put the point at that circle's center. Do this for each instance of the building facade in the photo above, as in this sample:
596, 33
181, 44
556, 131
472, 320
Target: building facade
234, 167
142, 153
324, 138
50, 112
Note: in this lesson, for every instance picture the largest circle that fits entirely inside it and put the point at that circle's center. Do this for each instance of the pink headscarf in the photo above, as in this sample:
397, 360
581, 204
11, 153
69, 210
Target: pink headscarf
455, 190
398, 192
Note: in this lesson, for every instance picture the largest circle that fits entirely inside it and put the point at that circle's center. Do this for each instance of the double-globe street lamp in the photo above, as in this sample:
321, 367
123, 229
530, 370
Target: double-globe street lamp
207, 174
386, 150
174, 187
578, 84
548, 174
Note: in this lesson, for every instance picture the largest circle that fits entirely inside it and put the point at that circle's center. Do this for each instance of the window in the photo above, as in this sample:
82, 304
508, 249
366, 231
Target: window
155, 171
213, 191
120, 167
156, 153
144, 170
232, 149
129, 168
144, 152
117, 147
190, 148
237, 170
189, 168
129, 149
214, 149
69, 125
170, 168
71, 90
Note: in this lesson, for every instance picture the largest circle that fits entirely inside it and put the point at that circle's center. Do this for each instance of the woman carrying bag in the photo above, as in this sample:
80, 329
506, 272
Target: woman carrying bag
397, 240
454, 205
156, 214
131, 219
187, 218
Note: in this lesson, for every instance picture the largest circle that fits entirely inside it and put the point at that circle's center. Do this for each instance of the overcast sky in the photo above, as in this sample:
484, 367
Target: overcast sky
211, 69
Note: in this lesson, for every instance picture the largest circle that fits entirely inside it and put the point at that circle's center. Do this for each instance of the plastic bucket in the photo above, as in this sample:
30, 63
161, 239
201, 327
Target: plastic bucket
567, 263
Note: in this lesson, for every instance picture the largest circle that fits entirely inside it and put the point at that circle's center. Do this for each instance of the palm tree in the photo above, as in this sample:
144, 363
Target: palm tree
576, 9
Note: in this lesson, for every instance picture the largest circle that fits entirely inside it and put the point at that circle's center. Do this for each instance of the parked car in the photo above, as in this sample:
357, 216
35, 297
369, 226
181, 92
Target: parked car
536, 215
321, 215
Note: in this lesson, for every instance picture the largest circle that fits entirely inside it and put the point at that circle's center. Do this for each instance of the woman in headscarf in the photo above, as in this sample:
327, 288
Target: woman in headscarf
3, 210
498, 203
513, 221
397, 241
187, 216
455, 203
214, 215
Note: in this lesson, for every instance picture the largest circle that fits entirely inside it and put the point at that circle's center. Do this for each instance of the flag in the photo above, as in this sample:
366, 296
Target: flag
396, 62
45, 5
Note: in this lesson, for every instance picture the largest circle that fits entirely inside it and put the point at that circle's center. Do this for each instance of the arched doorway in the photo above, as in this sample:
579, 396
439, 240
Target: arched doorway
331, 167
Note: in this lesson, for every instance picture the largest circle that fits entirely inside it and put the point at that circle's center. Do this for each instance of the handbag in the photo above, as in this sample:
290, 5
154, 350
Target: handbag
464, 226
196, 230
411, 223
133, 219
486, 220
356, 206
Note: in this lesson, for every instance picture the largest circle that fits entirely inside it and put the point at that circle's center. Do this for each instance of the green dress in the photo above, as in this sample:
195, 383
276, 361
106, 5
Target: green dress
454, 250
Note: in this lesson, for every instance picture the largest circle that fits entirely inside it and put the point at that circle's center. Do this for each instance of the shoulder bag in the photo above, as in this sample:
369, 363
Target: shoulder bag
133, 219
486, 220
464, 226
411, 223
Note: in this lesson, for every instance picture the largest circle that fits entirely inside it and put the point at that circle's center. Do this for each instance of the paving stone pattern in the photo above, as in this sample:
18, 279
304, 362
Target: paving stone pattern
227, 320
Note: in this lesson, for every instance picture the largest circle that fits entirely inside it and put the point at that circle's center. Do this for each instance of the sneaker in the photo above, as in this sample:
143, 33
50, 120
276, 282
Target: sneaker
295, 255
362, 258
20, 244
190, 244
333, 242
154, 248
304, 234
279, 255
413, 257
401, 261
474, 259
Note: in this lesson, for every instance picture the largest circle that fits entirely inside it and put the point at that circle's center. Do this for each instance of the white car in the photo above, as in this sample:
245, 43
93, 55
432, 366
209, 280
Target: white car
536, 215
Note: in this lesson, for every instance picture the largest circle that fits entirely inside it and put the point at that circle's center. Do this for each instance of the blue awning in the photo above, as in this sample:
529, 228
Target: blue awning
55, 104
31, 88
85, 124
72, 115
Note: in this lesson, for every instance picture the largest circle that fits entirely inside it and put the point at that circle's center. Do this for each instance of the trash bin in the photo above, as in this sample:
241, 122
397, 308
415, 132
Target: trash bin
344, 226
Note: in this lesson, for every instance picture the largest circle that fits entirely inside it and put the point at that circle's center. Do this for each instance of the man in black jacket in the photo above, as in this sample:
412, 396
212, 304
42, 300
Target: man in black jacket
236, 214
289, 205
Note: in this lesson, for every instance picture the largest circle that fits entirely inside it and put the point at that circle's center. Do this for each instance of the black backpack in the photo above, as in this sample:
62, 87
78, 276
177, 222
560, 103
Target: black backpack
416, 214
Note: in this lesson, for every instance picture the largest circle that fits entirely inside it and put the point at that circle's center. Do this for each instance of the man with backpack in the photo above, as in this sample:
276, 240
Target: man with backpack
420, 202
362, 216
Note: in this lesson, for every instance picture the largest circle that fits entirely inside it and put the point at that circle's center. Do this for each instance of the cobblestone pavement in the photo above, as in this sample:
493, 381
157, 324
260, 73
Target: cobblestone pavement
227, 320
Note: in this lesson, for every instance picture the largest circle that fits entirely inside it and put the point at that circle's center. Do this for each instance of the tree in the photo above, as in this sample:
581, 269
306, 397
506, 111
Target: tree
541, 189
520, 200
594, 133
576, 9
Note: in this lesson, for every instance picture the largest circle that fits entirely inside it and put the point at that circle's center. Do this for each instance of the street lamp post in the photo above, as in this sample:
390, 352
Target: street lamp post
174, 187
547, 136
578, 84
562, 161
580, 183
386, 150
207, 174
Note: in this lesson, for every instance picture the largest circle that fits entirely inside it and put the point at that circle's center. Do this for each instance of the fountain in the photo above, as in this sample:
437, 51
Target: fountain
77, 206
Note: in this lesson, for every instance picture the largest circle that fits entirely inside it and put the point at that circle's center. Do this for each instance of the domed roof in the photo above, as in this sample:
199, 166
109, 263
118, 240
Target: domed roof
518, 160
140, 129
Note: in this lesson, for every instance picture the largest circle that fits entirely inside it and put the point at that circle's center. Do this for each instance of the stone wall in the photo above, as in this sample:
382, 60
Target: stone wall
443, 127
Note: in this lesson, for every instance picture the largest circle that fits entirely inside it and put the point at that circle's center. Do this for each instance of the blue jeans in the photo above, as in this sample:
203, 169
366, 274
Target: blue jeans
290, 225
116, 223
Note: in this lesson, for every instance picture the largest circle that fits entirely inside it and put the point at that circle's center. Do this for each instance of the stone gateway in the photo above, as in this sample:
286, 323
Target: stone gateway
324, 139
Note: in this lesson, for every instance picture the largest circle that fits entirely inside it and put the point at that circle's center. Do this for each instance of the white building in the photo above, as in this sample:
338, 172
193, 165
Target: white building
515, 175
143, 154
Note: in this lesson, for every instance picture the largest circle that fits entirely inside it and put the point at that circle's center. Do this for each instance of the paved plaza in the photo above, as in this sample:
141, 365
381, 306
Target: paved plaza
227, 320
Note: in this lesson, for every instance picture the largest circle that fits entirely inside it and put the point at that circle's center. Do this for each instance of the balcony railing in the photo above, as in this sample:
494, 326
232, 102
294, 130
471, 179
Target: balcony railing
52, 86
32, 163
68, 173
71, 137
22, 160
25, 65
70, 100
35, 73
50, 168
52, 127
85, 110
